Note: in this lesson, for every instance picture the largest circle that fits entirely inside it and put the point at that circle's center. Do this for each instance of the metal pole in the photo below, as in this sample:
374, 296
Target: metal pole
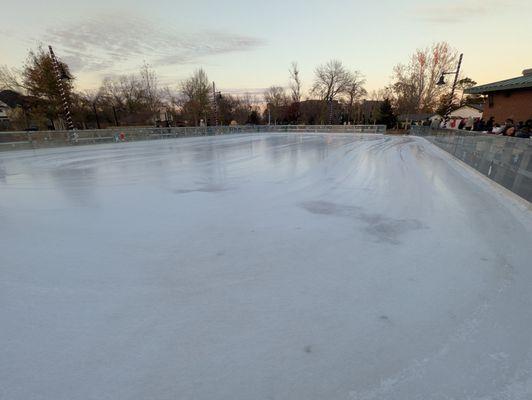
214, 104
454, 85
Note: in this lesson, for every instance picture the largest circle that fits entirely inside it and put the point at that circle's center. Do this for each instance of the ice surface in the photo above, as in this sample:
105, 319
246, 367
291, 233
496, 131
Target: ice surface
275, 266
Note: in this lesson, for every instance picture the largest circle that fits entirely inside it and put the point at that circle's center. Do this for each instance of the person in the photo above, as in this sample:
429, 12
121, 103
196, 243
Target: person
480, 125
490, 124
497, 129
525, 131
508, 128
453, 123
470, 121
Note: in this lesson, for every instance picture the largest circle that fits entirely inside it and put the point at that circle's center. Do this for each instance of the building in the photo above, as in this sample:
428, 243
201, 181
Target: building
4, 108
511, 98
4, 116
468, 111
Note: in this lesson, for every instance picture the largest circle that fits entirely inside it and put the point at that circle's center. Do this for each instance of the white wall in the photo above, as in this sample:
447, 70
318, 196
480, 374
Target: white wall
466, 112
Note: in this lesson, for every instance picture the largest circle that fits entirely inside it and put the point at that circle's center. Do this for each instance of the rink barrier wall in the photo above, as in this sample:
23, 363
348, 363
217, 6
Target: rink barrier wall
38, 139
506, 160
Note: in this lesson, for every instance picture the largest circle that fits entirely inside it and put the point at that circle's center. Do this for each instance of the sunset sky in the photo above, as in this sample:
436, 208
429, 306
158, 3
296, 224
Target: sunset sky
247, 46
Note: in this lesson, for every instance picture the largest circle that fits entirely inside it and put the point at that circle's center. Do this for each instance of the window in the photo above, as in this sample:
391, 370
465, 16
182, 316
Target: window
490, 100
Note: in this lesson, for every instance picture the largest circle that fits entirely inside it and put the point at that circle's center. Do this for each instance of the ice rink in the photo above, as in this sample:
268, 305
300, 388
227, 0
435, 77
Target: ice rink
271, 266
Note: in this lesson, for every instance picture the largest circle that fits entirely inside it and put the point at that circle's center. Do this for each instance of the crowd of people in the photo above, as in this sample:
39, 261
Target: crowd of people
508, 128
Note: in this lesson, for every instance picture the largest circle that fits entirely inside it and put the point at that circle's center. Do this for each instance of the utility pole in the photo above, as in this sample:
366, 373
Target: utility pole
60, 74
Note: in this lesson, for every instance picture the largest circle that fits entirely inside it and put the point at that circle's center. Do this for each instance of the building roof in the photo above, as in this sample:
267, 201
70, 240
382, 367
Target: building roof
417, 117
15, 99
11, 98
521, 82
478, 107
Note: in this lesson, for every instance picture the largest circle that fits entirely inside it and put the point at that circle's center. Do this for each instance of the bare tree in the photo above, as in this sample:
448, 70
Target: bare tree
275, 98
150, 88
136, 97
11, 79
196, 100
172, 102
415, 84
381, 94
355, 90
331, 80
86, 105
295, 83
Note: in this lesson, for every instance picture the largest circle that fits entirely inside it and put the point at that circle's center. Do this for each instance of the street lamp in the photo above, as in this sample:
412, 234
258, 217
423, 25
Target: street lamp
442, 82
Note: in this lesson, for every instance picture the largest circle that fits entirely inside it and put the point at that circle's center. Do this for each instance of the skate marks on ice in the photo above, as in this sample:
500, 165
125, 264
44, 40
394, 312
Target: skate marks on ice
209, 188
515, 385
383, 228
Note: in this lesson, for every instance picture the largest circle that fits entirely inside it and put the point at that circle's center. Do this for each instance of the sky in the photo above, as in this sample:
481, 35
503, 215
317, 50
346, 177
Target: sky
246, 46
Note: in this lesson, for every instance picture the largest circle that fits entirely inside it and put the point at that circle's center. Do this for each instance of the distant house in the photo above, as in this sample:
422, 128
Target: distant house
12, 99
18, 103
420, 117
469, 110
4, 108
511, 98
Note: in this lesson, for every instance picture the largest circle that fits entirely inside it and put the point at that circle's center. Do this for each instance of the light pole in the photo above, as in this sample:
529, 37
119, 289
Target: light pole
215, 97
442, 82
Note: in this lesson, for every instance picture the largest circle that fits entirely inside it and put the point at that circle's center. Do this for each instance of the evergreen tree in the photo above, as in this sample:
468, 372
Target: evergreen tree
386, 114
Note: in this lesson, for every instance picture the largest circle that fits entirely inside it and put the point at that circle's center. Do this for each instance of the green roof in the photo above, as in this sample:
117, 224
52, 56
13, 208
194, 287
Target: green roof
521, 82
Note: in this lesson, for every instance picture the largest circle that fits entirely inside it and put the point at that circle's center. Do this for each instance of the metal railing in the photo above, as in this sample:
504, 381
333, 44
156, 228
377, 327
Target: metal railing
37, 139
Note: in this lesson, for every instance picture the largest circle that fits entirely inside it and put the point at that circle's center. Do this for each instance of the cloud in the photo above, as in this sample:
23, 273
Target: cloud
462, 11
104, 44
